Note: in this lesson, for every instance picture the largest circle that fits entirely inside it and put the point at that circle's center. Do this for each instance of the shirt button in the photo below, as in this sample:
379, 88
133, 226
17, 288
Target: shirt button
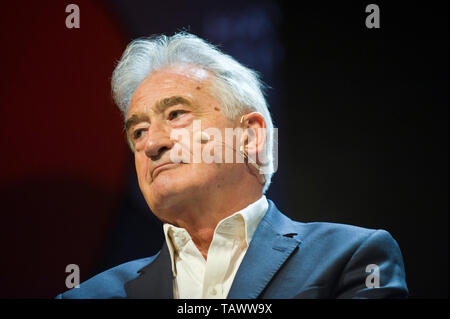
213, 291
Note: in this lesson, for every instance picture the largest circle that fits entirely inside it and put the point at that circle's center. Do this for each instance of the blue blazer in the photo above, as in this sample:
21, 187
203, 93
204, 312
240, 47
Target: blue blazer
285, 259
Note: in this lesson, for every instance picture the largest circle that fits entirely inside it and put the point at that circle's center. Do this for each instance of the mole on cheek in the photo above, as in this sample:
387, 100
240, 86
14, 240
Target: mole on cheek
198, 87
216, 108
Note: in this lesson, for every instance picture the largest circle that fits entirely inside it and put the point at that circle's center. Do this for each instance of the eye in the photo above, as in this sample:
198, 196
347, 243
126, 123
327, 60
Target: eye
175, 114
138, 134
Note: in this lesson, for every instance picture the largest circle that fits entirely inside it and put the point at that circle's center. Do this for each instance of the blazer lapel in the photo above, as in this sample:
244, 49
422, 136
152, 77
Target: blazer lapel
155, 280
272, 244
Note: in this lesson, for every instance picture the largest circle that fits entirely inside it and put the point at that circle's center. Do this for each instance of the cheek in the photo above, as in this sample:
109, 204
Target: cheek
141, 165
204, 174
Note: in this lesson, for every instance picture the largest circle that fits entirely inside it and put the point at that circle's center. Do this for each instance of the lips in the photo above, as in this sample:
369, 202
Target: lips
162, 167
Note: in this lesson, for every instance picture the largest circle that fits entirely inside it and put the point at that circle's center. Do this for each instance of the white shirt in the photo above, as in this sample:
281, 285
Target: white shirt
193, 276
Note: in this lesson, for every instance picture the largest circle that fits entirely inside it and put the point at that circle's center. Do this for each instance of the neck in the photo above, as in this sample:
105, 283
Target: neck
199, 215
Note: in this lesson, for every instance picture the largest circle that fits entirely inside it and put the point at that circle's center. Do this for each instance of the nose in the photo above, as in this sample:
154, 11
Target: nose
158, 141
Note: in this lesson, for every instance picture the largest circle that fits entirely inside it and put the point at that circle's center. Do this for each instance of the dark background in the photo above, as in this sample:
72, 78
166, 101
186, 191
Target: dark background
362, 117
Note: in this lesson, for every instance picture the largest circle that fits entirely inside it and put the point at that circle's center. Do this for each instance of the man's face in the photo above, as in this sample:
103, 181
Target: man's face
168, 99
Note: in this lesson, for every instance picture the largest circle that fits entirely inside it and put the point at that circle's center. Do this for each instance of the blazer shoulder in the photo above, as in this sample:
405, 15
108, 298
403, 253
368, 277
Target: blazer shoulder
337, 230
343, 234
325, 230
110, 283
326, 234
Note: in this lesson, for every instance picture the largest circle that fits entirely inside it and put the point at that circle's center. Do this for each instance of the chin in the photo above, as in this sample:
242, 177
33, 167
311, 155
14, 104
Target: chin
168, 190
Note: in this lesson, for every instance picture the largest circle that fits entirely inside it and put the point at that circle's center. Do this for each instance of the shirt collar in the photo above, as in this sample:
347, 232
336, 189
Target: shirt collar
251, 216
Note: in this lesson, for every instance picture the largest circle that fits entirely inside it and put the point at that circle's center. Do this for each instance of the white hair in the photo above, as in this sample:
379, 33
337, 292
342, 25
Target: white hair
239, 88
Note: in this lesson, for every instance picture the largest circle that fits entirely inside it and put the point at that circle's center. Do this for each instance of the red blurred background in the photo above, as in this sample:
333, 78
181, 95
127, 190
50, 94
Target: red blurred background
64, 160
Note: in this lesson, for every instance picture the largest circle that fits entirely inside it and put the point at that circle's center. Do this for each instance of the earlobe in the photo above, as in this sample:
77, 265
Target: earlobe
253, 140
255, 132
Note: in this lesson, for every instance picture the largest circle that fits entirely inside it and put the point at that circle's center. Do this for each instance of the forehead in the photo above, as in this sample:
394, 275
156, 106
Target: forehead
185, 80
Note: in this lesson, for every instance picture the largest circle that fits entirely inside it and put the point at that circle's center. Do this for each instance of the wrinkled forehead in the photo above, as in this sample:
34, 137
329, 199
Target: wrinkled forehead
186, 80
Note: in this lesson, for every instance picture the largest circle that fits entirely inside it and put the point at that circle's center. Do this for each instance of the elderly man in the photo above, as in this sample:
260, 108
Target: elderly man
224, 238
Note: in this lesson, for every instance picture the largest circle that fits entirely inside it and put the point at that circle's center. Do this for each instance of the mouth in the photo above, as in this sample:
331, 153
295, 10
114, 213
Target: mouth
158, 169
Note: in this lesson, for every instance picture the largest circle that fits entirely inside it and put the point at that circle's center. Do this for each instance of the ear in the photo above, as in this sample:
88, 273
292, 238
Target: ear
254, 136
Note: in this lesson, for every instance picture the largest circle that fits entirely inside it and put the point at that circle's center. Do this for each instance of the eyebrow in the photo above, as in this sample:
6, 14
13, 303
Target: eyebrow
170, 101
135, 119
160, 107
